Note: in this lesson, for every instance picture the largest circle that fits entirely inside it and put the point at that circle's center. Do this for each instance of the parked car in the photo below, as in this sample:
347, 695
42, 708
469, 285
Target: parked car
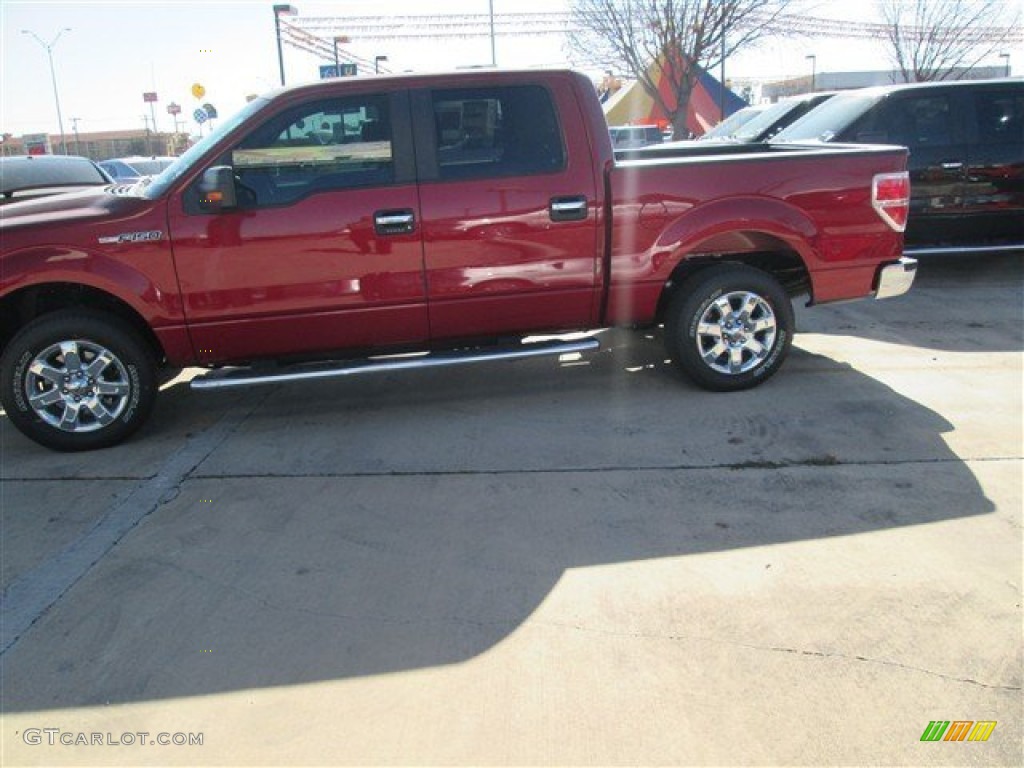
30, 176
264, 245
735, 121
633, 136
126, 170
966, 142
777, 116
750, 125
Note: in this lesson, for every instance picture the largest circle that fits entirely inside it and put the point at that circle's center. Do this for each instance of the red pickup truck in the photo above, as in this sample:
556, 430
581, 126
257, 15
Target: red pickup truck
331, 229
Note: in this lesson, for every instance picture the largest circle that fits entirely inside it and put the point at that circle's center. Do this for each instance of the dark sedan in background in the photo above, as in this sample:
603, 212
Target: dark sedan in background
30, 176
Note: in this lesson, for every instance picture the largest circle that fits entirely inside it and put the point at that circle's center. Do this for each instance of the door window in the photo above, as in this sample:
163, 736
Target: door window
328, 145
503, 131
913, 121
1000, 117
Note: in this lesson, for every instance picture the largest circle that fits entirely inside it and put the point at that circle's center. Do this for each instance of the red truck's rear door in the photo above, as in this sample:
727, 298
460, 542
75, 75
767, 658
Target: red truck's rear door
509, 208
324, 250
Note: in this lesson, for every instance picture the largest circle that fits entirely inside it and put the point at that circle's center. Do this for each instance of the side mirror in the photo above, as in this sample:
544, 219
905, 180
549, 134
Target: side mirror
217, 189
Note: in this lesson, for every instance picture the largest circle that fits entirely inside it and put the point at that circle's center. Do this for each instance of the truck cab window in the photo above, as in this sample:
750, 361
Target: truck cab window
328, 145
912, 121
502, 131
1000, 117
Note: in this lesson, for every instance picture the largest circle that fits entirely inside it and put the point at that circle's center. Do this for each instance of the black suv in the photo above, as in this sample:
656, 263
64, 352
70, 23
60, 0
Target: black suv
966, 142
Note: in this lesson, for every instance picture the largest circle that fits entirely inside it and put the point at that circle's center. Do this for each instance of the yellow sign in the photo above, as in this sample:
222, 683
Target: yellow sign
198, 91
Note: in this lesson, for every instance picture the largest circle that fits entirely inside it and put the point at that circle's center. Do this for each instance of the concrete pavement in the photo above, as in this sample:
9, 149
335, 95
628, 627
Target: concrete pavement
534, 563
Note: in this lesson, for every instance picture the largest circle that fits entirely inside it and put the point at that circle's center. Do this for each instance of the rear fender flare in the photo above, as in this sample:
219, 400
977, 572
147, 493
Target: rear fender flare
736, 226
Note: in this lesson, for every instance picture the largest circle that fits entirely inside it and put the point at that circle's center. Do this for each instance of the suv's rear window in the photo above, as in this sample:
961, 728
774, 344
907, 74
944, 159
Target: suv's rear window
32, 173
829, 119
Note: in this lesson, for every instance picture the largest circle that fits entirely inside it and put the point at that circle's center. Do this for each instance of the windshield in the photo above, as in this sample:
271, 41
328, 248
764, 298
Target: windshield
831, 118
733, 123
752, 130
176, 170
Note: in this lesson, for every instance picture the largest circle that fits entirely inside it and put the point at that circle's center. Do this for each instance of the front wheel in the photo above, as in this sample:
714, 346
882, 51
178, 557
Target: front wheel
77, 380
729, 327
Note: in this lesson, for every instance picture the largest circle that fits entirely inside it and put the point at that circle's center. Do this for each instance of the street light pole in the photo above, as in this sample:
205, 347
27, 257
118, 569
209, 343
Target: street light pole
344, 40
53, 79
287, 10
814, 71
494, 54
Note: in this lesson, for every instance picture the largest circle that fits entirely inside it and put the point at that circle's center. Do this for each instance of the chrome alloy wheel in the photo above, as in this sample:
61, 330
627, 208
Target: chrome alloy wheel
77, 386
736, 332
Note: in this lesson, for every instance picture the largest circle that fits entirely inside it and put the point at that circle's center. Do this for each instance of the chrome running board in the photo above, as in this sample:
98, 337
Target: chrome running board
248, 377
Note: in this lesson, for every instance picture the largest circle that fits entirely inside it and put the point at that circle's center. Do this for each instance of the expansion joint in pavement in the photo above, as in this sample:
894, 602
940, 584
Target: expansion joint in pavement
30, 595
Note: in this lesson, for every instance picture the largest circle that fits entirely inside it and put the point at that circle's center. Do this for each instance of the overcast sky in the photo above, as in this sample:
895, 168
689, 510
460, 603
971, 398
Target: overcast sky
116, 51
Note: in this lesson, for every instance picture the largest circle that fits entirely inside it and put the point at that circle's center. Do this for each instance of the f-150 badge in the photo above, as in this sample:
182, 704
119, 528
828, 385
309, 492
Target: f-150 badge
133, 237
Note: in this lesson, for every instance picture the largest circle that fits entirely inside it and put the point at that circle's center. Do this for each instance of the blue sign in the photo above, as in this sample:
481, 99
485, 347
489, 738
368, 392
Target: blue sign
328, 71
200, 116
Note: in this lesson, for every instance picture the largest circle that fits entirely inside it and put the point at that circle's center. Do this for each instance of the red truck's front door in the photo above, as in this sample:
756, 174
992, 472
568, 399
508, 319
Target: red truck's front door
510, 209
323, 251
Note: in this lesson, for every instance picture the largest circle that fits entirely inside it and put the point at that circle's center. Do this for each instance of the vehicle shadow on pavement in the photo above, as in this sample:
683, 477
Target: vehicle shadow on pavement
972, 303
398, 523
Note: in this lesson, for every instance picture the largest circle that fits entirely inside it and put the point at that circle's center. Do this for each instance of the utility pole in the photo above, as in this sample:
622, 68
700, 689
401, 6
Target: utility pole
74, 128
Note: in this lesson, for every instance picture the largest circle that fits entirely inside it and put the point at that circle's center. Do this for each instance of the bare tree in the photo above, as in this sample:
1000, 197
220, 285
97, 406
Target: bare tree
659, 41
944, 39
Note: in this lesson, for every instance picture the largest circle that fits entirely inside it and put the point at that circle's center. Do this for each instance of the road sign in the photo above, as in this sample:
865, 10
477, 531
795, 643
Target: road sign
173, 109
198, 91
328, 71
210, 110
200, 116
149, 96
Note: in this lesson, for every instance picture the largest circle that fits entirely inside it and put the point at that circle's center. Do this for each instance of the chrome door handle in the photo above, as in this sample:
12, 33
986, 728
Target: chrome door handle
568, 208
398, 222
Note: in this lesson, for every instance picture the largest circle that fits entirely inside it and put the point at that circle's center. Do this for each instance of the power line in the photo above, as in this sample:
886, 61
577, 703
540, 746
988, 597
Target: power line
471, 25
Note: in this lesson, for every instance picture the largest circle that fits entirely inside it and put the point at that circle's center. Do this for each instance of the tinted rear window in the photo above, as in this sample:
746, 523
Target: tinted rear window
754, 128
1000, 116
499, 131
830, 119
28, 173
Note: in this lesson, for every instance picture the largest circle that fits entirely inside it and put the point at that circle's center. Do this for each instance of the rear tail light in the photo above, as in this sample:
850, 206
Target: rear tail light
890, 196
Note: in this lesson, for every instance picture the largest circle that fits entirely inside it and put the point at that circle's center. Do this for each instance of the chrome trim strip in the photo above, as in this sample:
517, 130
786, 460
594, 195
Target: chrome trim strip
244, 377
963, 249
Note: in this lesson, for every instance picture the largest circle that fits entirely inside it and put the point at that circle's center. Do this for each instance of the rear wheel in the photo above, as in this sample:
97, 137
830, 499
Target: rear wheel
729, 327
77, 380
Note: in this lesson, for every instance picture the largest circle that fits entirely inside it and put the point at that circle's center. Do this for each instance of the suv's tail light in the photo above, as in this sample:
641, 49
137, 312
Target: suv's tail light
890, 196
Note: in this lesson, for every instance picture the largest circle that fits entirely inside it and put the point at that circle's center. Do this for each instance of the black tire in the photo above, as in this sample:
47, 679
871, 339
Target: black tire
752, 340
104, 363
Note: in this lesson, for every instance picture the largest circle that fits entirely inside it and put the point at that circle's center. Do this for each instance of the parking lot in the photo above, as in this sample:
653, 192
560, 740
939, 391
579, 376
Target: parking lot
585, 562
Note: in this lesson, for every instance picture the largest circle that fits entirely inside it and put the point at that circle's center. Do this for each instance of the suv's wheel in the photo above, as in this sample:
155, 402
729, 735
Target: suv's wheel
729, 327
76, 380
